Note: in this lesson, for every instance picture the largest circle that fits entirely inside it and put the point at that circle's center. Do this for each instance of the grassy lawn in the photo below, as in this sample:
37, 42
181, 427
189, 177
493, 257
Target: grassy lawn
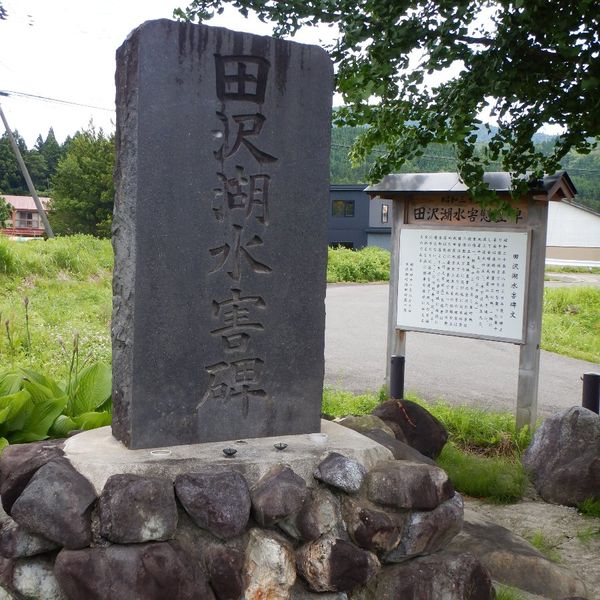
67, 283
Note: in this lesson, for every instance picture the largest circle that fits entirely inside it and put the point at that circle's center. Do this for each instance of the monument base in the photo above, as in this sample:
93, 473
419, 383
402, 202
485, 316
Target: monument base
97, 455
330, 515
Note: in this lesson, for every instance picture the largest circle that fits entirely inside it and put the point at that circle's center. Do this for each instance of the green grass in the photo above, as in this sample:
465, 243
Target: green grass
590, 508
499, 479
482, 457
585, 536
571, 322
544, 545
67, 284
504, 592
567, 269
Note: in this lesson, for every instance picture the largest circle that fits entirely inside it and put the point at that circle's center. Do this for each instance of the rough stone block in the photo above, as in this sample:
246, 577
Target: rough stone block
220, 237
277, 495
404, 484
135, 509
341, 472
332, 565
153, 571
216, 501
57, 504
19, 462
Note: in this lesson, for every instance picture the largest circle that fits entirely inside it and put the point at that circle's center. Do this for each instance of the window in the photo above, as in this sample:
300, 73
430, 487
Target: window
385, 210
342, 208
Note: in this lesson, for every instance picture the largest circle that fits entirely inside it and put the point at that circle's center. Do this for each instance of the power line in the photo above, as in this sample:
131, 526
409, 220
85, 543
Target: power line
55, 100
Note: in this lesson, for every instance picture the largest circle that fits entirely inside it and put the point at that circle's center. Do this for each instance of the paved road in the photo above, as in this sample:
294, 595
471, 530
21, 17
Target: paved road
460, 370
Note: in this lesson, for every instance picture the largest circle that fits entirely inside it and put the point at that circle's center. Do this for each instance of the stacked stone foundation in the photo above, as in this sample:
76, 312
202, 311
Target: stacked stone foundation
324, 520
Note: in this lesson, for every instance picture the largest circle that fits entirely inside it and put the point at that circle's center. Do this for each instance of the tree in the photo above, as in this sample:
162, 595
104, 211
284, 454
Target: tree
533, 62
3, 13
5, 212
82, 189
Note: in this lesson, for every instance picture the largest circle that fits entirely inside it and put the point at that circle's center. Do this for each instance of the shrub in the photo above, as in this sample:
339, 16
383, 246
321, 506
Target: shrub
368, 264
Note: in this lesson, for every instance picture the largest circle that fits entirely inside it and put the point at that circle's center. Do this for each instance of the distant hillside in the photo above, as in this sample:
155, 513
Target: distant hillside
583, 169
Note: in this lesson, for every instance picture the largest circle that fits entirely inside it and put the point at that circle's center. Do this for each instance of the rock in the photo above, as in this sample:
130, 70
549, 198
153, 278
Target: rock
400, 450
277, 495
320, 514
216, 501
19, 462
444, 575
333, 565
340, 472
405, 484
269, 567
429, 531
364, 423
371, 528
563, 459
224, 567
153, 571
57, 504
301, 592
16, 542
513, 561
136, 509
398, 433
31, 578
420, 428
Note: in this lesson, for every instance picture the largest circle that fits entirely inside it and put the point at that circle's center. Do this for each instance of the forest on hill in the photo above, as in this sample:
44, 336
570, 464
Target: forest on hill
584, 169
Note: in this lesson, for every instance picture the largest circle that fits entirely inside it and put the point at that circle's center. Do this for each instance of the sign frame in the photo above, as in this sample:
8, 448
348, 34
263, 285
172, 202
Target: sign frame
470, 230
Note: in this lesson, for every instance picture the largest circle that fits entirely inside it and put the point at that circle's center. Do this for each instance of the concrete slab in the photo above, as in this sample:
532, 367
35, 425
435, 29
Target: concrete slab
97, 455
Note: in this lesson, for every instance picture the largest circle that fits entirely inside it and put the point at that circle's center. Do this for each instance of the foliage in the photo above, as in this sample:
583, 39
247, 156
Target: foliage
544, 545
391, 57
504, 592
590, 507
483, 432
368, 264
34, 407
497, 479
339, 403
5, 212
571, 322
82, 188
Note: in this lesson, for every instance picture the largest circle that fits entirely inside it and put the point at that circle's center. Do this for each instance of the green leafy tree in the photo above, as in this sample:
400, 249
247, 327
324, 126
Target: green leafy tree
533, 62
11, 179
5, 212
82, 189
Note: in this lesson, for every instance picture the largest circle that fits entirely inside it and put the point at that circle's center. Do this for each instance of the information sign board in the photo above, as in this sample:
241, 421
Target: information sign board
463, 282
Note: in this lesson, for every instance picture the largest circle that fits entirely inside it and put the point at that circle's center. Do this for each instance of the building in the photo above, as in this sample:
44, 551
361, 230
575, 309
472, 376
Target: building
25, 220
355, 222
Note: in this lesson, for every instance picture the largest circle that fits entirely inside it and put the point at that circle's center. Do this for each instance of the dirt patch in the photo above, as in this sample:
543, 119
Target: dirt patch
575, 538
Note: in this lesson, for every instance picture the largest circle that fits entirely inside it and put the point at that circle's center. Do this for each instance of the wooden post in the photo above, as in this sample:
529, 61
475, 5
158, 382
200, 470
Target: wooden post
396, 339
529, 356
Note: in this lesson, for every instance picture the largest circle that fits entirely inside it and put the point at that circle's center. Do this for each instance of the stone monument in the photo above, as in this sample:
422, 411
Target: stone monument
219, 235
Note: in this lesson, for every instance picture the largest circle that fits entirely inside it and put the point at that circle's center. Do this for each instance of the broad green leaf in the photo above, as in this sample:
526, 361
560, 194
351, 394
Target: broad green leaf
21, 406
3, 443
24, 437
93, 389
62, 426
39, 392
10, 383
4, 412
44, 415
92, 420
47, 382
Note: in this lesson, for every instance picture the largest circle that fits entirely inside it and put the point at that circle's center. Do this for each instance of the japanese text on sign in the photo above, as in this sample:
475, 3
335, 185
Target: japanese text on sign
463, 282
240, 207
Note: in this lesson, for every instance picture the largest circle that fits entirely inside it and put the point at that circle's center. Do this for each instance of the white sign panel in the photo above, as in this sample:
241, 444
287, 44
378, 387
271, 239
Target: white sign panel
463, 282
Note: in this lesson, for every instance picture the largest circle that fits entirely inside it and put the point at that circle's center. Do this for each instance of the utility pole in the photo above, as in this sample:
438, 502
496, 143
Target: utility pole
25, 172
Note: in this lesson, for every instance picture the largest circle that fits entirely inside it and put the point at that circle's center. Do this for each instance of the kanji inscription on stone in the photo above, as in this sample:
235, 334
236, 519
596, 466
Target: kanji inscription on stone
219, 235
